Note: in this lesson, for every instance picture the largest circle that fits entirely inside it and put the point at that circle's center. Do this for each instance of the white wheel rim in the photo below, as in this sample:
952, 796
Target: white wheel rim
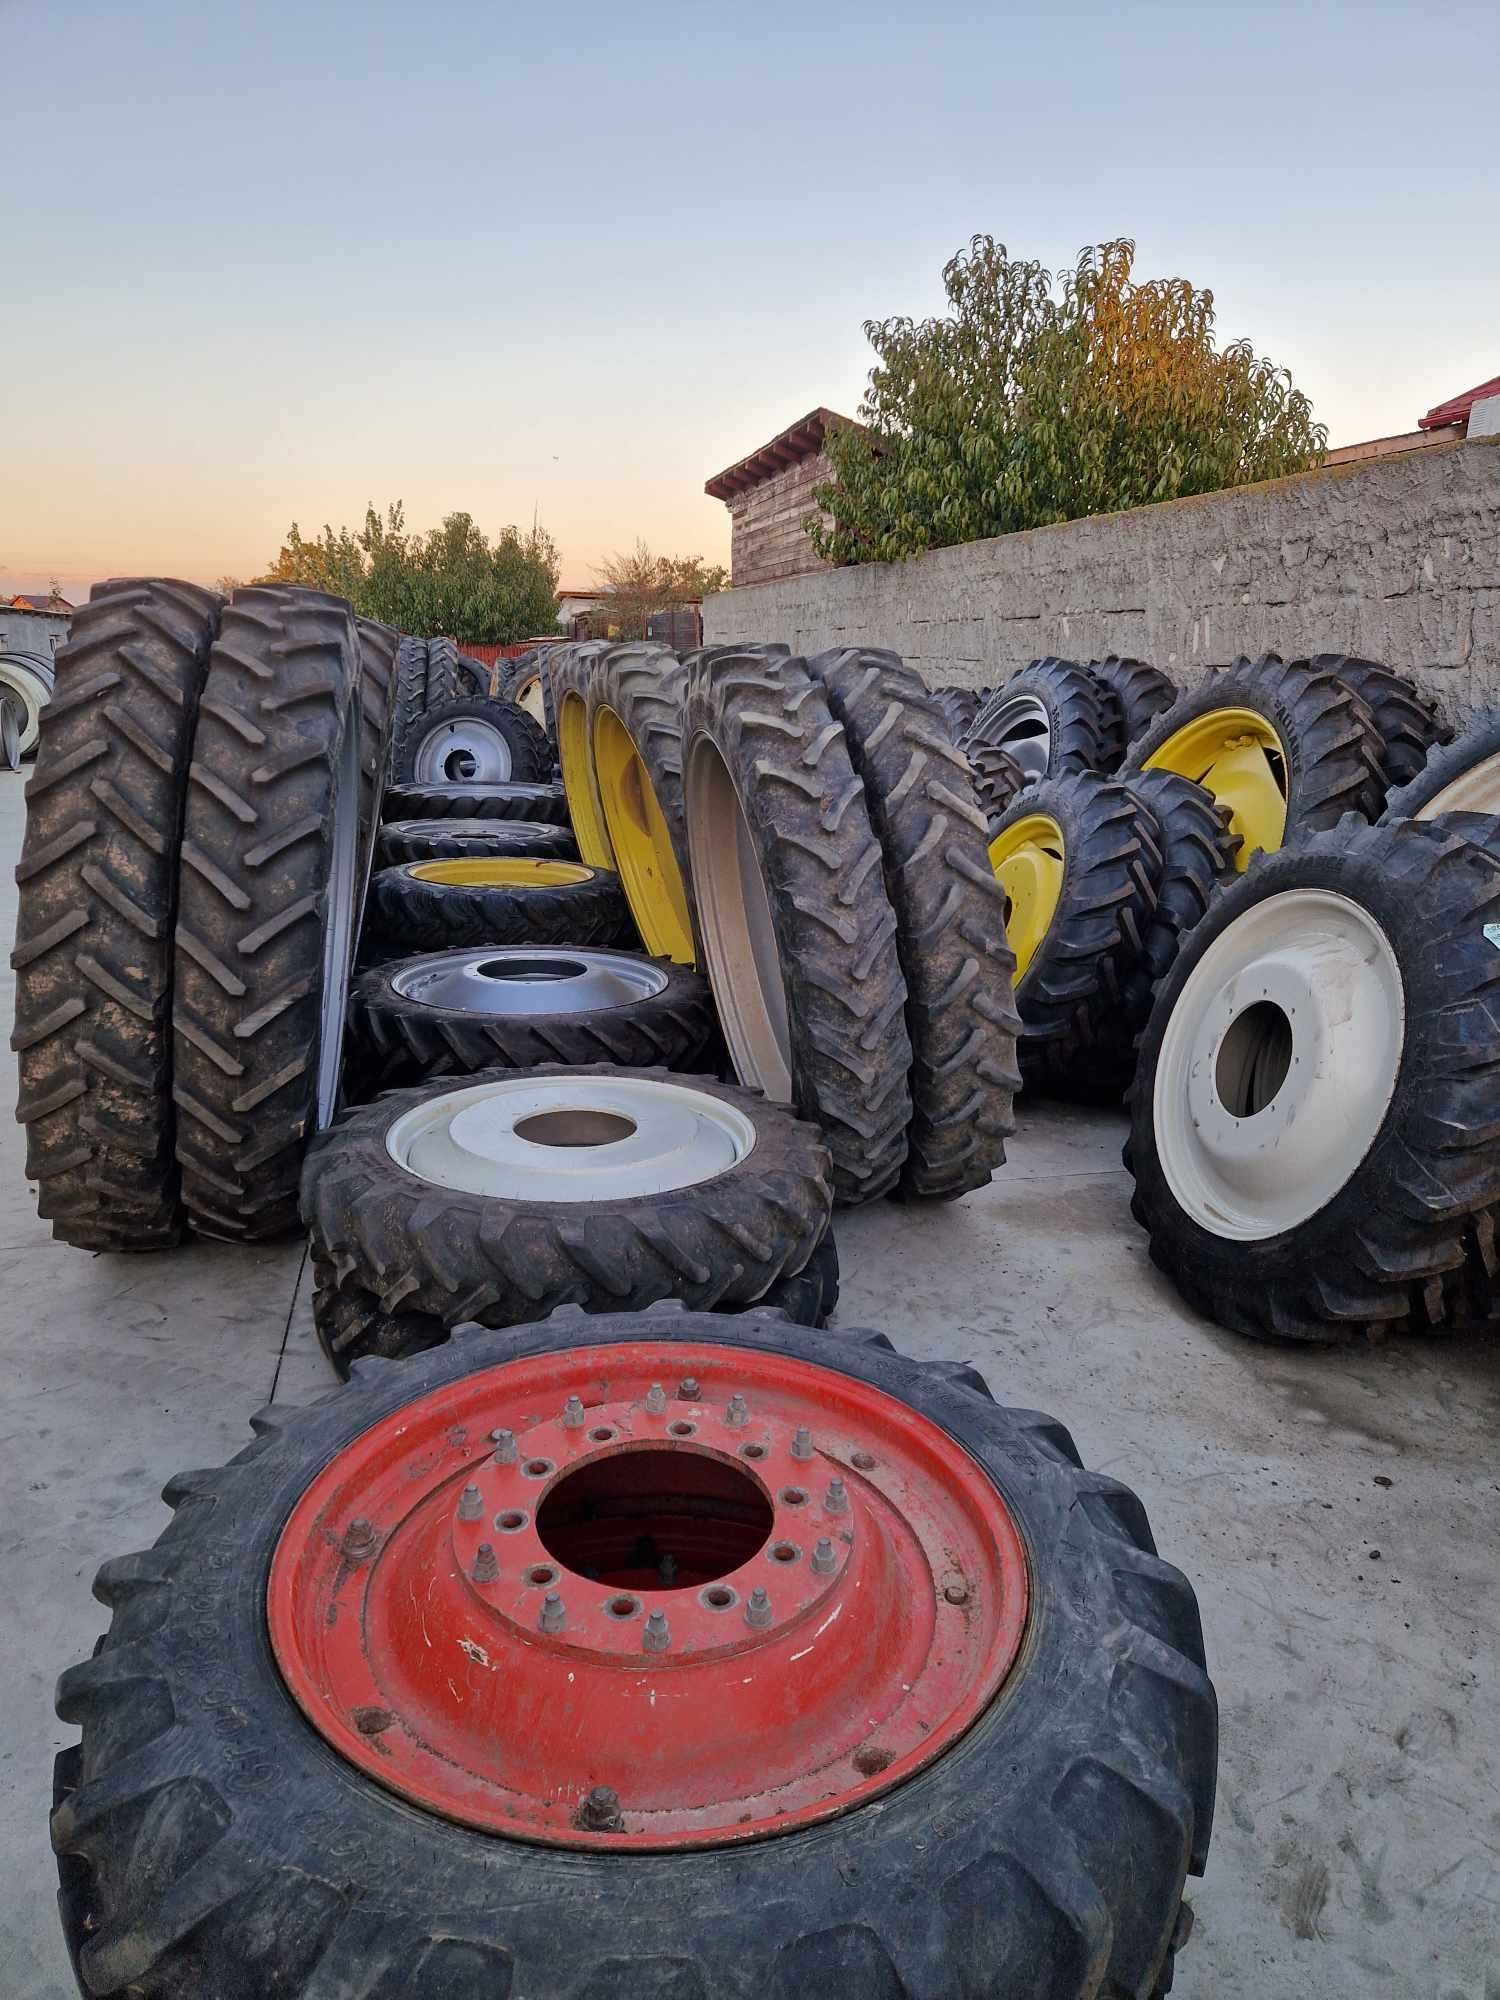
1477, 790
523, 980
1278, 1064
467, 751
32, 694
1023, 727
570, 1139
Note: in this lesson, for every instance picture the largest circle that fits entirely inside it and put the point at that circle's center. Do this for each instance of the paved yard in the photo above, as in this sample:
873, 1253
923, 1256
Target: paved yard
1339, 1515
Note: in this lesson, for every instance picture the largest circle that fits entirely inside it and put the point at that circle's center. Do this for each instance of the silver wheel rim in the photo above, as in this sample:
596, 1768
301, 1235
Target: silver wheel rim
566, 1139
520, 980
1278, 1064
340, 916
469, 791
10, 731
1022, 726
32, 693
1476, 790
465, 751
739, 936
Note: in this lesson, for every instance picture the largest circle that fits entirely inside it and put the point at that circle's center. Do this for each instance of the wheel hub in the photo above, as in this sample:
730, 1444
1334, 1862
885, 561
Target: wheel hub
647, 1595
1235, 754
466, 751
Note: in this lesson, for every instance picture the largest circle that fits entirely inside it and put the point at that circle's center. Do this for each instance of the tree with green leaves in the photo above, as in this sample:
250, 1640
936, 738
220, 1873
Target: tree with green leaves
1040, 398
453, 579
635, 585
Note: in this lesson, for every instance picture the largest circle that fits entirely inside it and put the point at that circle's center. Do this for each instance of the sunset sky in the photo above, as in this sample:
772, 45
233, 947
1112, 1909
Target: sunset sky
270, 261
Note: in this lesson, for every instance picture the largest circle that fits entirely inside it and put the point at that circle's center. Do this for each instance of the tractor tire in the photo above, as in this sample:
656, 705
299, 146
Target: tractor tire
950, 920
998, 779
492, 900
474, 742
12, 722
1311, 1165
524, 681
377, 677
750, 1209
28, 690
268, 889
1141, 692
1079, 863
210, 1841
570, 669
454, 1012
1288, 749
473, 678
959, 706
97, 882
453, 839
634, 717
442, 682
544, 803
790, 908
1053, 717
410, 691
1406, 720
1463, 776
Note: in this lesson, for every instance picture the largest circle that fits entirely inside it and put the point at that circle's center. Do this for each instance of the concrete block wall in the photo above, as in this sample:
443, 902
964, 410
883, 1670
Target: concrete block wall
1397, 559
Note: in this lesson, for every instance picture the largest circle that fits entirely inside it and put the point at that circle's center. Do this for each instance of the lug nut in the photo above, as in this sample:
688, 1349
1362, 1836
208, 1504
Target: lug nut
506, 1449
485, 1569
758, 1607
656, 1399
802, 1444
471, 1504
738, 1413
600, 1812
554, 1613
655, 1638
573, 1414
687, 1389
824, 1561
360, 1539
836, 1500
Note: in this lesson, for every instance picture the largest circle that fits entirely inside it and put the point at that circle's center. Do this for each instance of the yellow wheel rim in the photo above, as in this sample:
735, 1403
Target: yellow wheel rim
500, 872
644, 855
575, 755
1029, 860
1238, 756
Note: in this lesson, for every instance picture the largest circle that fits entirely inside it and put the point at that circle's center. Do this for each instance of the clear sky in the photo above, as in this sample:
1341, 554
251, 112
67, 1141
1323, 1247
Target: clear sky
269, 261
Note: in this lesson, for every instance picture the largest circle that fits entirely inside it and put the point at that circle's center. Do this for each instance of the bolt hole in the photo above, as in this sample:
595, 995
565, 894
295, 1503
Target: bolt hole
863, 1461
510, 1521
682, 1429
602, 1435
541, 1573
719, 1597
793, 1496
752, 1451
623, 1607
784, 1552
538, 1468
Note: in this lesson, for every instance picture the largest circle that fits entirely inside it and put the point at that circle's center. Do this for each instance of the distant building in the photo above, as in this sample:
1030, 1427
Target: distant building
34, 621
1445, 423
769, 495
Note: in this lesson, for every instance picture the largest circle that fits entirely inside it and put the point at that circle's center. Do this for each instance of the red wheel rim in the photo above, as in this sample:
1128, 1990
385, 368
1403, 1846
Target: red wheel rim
647, 1596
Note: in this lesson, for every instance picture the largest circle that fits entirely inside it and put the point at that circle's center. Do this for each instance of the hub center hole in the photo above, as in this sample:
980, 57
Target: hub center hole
460, 767
654, 1519
1254, 1058
531, 968
575, 1128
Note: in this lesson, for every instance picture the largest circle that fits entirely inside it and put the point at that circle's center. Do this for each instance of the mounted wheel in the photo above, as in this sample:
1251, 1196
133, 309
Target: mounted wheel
1053, 717
1464, 777
950, 920
1078, 862
1139, 693
634, 716
1313, 1132
470, 839
474, 742
539, 802
797, 930
267, 907
453, 1012
29, 691
96, 910
570, 669
1405, 719
414, 1623
600, 1187
1289, 750
492, 900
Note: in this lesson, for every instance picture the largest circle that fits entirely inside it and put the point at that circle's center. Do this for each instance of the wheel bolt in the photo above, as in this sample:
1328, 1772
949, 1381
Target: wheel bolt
687, 1389
656, 1399
836, 1500
471, 1505
802, 1444
573, 1414
738, 1413
655, 1638
600, 1812
506, 1449
485, 1569
758, 1608
359, 1539
554, 1613
824, 1561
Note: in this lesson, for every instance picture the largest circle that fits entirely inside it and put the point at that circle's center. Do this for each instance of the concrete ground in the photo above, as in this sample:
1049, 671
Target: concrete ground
1337, 1514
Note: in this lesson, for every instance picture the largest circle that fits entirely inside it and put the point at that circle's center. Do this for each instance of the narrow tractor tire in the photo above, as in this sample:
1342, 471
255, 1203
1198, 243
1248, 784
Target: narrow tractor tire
768, 723
526, 757
442, 682
458, 839
473, 678
950, 920
534, 801
97, 906
638, 690
378, 645
1080, 714
267, 883
958, 706
398, 1039
1406, 720
407, 914
570, 669
1461, 776
455, 1255
998, 779
204, 1833
1390, 1248
410, 696
1141, 692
